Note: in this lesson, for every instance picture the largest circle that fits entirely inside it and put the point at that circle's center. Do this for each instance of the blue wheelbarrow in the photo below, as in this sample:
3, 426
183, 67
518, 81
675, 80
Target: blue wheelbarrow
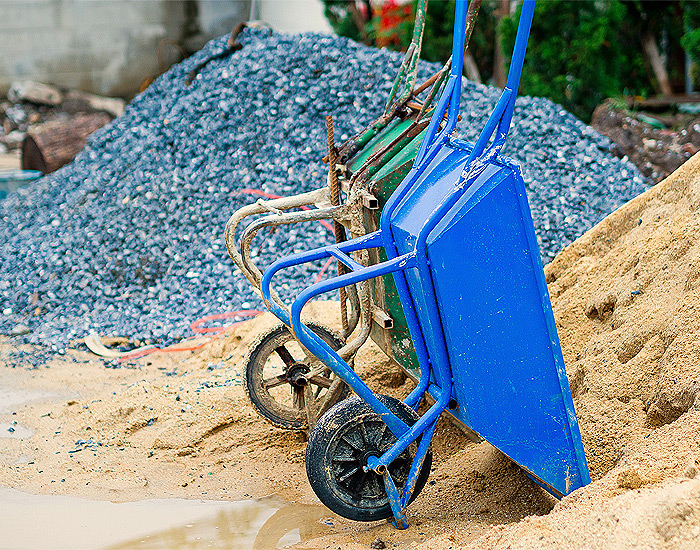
461, 246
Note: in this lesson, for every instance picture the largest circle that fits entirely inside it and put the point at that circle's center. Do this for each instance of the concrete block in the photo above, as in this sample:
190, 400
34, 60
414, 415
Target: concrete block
29, 14
97, 14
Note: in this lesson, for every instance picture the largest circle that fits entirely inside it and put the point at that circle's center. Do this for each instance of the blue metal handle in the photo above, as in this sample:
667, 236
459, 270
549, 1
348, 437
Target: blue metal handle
498, 122
309, 339
502, 114
370, 240
453, 89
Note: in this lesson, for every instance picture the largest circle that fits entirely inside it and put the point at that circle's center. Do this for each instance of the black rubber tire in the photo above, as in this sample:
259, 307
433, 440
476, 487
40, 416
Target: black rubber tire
360, 496
272, 409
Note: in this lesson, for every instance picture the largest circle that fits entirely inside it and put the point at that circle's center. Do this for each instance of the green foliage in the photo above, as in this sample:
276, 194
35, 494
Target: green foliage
691, 39
437, 37
342, 21
691, 43
579, 53
664, 21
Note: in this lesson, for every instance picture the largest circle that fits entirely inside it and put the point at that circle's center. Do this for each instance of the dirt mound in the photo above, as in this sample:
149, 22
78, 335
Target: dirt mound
625, 296
657, 145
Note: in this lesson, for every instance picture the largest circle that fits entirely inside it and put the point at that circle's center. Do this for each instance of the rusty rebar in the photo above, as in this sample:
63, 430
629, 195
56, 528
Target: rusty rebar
338, 228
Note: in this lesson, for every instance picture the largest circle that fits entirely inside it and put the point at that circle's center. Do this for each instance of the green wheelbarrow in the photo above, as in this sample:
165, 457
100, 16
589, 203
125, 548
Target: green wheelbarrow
286, 384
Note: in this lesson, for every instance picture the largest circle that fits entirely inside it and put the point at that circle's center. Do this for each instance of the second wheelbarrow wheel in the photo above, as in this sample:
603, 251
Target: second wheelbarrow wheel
338, 449
278, 369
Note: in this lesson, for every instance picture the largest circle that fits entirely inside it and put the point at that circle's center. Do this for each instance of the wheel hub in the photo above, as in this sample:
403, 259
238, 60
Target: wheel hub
296, 375
365, 456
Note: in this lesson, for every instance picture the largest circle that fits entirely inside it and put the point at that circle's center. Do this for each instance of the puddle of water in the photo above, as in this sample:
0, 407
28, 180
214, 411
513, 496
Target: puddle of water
14, 431
10, 398
41, 521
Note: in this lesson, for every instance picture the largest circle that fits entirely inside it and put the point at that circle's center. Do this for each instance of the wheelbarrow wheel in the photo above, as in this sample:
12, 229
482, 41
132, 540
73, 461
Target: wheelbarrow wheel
338, 449
277, 371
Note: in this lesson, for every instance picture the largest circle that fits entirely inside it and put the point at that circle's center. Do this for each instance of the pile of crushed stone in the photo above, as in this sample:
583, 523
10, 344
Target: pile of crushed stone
128, 239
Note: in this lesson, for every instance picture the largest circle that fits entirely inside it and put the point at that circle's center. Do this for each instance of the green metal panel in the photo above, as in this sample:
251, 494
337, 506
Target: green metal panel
395, 342
388, 134
391, 174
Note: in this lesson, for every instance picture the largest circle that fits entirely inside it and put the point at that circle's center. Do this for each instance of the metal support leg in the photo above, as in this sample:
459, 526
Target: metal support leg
417, 464
400, 521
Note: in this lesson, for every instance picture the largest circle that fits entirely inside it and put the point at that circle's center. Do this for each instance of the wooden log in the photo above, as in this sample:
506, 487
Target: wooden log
34, 92
53, 144
663, 102
651, 51
110, 105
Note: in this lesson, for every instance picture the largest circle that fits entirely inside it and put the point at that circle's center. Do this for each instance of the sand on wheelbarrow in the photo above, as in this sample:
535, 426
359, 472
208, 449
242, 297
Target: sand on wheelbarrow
625, 297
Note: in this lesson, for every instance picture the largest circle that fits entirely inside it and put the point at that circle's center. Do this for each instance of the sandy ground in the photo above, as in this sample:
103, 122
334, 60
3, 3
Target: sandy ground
625, 297
180, 426
9, 162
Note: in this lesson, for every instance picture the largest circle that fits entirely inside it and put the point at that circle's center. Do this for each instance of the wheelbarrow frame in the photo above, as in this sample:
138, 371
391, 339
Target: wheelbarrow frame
435, 374
374, 162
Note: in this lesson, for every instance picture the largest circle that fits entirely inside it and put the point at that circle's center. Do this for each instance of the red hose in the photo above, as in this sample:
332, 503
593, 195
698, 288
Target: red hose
318, 278
195, 326
220, 330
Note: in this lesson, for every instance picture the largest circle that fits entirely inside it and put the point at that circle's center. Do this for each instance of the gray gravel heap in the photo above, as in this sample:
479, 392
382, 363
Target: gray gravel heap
128, 239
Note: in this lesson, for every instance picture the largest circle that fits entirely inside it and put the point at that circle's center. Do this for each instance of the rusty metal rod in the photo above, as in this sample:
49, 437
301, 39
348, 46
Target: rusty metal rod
338, 228
427, 83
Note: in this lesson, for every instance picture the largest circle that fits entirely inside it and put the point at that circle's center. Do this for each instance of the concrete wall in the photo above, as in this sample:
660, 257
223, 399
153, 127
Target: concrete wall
110, 46
293, 15
102, 46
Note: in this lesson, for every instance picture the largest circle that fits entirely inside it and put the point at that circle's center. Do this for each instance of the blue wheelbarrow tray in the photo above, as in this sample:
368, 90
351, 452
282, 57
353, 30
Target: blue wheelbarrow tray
509, 381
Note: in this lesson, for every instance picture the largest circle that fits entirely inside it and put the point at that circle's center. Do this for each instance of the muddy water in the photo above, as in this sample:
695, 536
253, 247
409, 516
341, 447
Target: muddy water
11, 398
62, 522
58, 522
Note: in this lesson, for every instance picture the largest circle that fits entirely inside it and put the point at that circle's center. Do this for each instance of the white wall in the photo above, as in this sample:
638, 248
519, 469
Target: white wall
102, 46
293, 15
110, 46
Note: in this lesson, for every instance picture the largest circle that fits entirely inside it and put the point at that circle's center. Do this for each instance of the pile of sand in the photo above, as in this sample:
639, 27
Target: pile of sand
626, 296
